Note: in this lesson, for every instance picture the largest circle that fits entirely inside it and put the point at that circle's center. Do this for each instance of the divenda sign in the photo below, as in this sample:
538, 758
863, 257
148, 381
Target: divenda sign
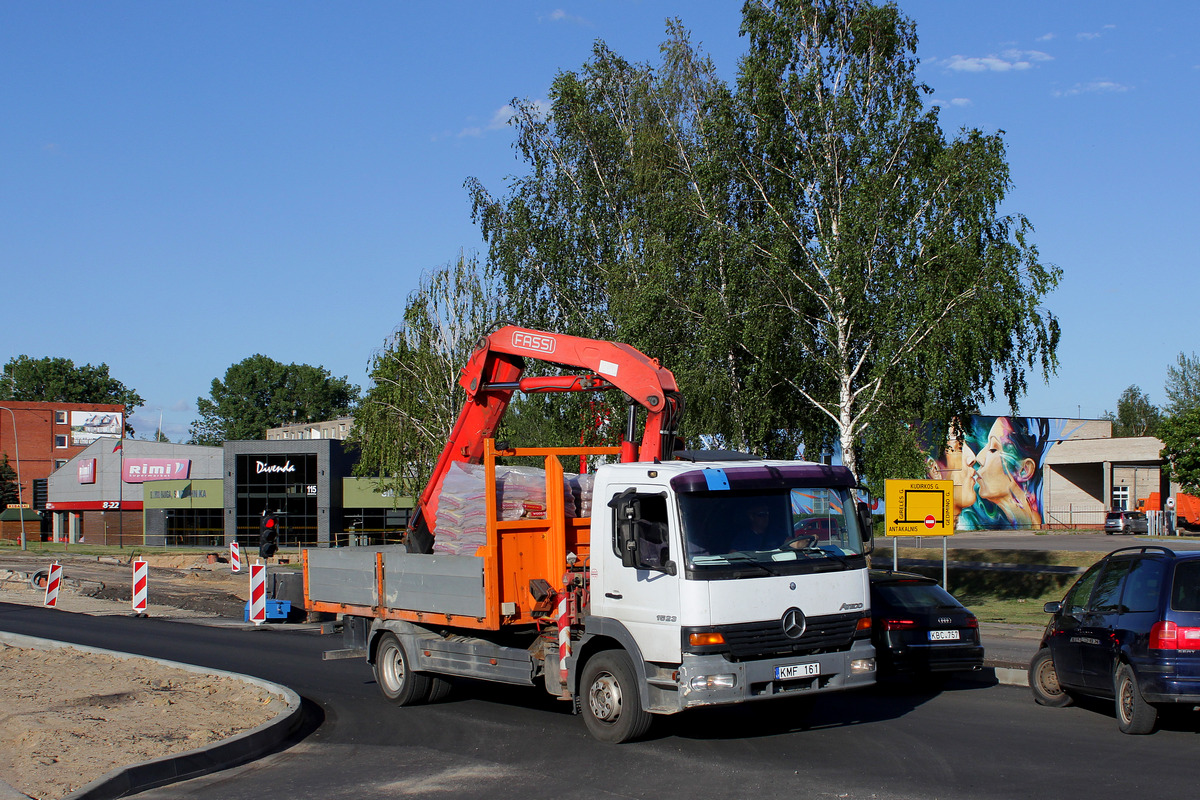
140, 470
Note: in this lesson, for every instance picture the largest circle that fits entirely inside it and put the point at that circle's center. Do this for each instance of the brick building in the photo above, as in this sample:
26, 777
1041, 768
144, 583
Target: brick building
38, 438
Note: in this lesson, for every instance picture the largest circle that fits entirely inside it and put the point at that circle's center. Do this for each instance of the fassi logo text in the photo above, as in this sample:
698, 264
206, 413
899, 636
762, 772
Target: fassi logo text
533, 341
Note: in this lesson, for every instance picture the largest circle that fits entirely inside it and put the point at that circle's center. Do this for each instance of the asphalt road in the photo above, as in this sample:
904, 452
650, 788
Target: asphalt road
896, 741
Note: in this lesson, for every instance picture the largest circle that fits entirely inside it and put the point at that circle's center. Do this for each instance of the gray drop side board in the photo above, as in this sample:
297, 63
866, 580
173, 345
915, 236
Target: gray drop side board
414, 582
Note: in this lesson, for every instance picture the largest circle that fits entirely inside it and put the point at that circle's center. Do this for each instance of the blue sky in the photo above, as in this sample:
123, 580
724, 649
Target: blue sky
185, 184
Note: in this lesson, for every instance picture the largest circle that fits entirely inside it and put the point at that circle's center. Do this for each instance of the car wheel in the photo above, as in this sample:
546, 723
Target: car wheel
1043, 681
1134, 714
393, 673
612, 708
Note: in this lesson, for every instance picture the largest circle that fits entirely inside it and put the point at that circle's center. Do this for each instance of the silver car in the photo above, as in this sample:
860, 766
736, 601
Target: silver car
1125, 522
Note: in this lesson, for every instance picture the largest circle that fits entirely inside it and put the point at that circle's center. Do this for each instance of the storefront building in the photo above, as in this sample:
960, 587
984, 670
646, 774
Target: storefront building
98, 496
300, 481
131, 492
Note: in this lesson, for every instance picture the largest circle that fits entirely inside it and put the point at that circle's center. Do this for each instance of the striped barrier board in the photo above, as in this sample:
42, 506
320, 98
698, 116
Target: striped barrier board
52, 584
258, 594
140, 574
235, 557
564, 637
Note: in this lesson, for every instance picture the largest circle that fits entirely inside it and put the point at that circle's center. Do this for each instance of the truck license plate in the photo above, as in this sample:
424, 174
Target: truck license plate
943, 636
797, 671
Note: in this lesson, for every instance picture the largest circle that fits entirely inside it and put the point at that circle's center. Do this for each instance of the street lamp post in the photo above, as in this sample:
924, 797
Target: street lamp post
20, 497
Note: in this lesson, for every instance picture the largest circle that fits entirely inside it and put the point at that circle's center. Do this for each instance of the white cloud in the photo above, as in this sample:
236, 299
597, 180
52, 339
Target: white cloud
955, 101
1095, 87
1045, 37
1087, 36
1007, 61
558, 15
501, 118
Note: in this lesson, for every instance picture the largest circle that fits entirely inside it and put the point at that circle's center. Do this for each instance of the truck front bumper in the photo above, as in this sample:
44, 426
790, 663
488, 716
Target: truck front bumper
714, 680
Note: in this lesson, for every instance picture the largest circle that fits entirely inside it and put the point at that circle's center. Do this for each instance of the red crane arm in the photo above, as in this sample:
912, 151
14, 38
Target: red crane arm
493, 373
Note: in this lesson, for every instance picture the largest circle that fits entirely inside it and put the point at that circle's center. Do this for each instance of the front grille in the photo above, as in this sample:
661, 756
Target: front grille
754, 640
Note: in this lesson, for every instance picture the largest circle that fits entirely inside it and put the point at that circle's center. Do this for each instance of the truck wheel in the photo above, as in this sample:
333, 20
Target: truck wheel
439, 687
1043, 680
393, 673
612, 707
1134, 714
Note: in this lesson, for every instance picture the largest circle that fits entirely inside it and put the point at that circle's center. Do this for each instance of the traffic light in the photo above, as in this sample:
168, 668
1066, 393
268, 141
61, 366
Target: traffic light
268, 535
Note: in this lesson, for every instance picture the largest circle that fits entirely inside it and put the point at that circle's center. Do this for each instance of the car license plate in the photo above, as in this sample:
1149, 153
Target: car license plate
943, 636
797, 671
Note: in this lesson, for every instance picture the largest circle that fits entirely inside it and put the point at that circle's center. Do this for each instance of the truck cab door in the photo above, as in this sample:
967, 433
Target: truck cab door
640, 579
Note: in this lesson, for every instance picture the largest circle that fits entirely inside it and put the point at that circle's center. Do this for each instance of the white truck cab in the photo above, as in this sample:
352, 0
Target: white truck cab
727, 582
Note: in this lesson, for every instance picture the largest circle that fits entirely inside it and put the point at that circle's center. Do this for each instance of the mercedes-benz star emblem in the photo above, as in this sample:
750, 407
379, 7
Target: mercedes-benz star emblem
794, 623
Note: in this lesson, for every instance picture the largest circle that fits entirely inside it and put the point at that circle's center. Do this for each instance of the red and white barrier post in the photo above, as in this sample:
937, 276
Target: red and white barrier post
258, 594
564, 636
52, 583
235, 557
140, 575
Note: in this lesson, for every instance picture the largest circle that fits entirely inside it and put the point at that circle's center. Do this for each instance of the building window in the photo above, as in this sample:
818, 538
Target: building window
1120, 498
59, 463
60, 440
60, 418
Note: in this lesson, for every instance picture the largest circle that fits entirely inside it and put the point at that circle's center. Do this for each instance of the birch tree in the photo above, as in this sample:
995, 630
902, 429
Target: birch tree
806, 249
907, 284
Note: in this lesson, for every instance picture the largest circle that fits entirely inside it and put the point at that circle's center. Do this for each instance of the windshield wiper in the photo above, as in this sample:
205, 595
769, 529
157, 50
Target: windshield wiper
743, 558
828, 554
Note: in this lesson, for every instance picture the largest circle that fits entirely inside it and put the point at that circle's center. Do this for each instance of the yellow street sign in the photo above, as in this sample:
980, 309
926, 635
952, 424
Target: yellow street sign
919, 508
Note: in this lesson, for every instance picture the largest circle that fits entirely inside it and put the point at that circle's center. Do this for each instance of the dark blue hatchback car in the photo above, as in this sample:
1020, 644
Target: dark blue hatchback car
1129, 629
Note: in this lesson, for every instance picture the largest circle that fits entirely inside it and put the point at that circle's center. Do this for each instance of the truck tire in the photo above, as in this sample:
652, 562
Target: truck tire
1043, 681
612, 707
439, 687
1134, 714
394, 674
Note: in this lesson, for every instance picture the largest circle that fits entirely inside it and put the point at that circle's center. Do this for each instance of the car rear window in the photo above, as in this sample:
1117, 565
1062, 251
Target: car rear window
913, 595
1185, 591
1114, 515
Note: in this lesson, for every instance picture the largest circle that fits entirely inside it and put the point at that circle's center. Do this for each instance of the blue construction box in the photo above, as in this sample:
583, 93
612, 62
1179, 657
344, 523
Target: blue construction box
276, 610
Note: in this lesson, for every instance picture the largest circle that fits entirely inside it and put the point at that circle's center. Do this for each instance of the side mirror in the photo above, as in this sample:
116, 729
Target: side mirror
627, 510
866, 524
1052, 608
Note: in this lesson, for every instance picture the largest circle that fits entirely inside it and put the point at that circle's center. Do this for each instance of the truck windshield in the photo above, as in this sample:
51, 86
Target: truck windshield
771, 528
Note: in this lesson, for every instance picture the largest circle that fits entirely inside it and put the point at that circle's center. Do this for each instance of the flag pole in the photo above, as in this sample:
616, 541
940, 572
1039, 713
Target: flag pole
121, 495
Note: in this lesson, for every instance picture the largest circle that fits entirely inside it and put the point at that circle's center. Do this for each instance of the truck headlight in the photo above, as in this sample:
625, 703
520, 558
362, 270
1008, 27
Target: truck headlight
713, 682
860, 665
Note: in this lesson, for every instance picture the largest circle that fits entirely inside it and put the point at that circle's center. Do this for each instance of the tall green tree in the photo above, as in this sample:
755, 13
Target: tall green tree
1183, 384
9, 491
58, 380
407, 413
1135, 416
910, 291
260, 393
1180, 435
807, 250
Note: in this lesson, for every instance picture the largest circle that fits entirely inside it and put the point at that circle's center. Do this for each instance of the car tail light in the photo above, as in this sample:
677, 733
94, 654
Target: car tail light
972, 622
899, 624
1166, 635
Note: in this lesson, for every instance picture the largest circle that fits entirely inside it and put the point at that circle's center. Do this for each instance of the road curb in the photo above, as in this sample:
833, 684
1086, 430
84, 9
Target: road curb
239, 749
